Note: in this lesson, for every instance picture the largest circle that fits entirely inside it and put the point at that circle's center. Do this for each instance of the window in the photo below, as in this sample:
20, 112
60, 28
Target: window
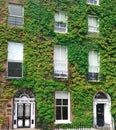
15, 59
93, 25
15, 16
62, 107
94, 60
60, 25
93, 2
60, 62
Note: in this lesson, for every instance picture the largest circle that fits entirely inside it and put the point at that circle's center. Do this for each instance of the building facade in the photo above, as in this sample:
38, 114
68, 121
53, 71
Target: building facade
57, 63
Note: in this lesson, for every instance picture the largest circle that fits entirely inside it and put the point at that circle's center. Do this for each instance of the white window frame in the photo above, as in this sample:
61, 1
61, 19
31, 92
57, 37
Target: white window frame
92, 2
63, 95
94, 68
60, 25
60, 61
15, 22
93, 24
12, 58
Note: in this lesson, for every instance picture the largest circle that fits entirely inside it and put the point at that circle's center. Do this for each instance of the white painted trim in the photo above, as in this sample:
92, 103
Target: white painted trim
93, 3
68, 120
25, 100
107, 110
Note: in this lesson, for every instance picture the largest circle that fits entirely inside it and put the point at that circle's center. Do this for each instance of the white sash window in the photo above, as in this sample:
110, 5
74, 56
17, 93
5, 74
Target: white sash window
93, 25
62, 107
60, 62
93, 2
94, 64
60, 25
16, 14
15, 59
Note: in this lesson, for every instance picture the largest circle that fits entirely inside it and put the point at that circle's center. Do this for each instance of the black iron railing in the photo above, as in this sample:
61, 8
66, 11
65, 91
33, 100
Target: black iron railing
79, 126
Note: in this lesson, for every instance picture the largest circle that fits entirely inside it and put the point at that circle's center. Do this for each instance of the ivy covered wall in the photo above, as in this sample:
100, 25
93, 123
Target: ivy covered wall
39, 38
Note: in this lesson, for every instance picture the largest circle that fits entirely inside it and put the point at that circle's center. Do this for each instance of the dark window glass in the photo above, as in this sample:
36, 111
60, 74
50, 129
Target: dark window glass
65, 101
14, 69
65, 113
58, 101
63, 25
57, 24
58, 113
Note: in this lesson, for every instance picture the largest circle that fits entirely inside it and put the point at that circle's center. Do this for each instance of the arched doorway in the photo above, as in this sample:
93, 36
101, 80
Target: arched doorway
24, 109
101, 110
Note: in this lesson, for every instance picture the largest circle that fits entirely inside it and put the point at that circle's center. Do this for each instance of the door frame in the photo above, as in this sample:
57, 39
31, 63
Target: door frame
24, 97
102, 98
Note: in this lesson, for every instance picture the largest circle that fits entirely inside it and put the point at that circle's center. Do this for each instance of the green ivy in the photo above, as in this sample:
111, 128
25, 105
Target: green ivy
39, 39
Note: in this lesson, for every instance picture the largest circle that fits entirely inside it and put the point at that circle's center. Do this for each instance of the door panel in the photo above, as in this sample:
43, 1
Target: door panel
20, 115
100, 114
23, 115
27, 115
20, 122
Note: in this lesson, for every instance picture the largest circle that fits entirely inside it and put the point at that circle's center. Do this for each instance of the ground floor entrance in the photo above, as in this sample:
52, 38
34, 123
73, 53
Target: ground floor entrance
24, 110
102, 110
100, 114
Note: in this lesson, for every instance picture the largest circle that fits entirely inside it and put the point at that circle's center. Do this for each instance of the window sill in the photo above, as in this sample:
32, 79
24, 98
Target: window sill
94, 81
89, 31
63, 122
13, 25
93, 4
8, 77
65, 32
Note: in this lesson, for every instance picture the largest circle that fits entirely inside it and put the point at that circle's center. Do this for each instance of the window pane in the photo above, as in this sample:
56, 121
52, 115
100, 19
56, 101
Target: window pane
58, 113
60, 17
58, 101
89, 21
93, 58
15, 51
65, 113
14, 69
14, 20
61, 67
56, 17
93, 62
57, 53
94, 22
27, 109
63, 54
63, 17
92, 1
20, 110
63, 25
60, 58
56, 24
65, 101
15, 10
